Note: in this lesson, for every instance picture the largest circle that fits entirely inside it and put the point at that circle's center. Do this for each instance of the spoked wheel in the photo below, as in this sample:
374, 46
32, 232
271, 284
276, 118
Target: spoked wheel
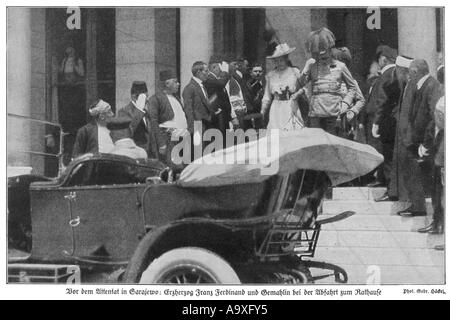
189, 265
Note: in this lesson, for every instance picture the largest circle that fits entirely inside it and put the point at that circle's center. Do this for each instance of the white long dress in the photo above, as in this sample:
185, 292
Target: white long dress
280, 115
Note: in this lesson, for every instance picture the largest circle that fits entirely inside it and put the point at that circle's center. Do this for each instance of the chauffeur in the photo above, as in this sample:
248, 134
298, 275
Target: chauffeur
121, 136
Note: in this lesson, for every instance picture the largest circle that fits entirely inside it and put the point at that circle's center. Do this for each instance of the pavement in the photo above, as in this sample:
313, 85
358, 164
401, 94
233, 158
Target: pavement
376, 246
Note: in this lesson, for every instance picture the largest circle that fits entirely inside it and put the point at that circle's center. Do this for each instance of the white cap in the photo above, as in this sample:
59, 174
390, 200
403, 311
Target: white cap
404, 62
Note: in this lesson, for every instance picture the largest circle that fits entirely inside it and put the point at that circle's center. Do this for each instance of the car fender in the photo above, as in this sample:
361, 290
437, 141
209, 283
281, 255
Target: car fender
198, 232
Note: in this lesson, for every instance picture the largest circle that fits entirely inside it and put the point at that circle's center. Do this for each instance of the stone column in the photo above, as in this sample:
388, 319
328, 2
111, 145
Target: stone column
196, 37
19, 85
292, 25
135, 51
417, 34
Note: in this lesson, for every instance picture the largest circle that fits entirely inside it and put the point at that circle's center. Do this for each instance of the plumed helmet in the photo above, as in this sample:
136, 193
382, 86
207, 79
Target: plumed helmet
320, 40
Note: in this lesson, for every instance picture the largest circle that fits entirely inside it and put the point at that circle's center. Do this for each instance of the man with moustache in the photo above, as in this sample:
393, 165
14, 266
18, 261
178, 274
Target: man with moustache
416, 169
167, 118
215, 87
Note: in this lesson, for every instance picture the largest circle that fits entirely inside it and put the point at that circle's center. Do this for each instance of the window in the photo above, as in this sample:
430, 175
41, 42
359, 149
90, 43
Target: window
81, 67
305, 191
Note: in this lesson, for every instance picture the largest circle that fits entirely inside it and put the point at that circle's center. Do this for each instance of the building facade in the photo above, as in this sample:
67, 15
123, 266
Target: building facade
119, 45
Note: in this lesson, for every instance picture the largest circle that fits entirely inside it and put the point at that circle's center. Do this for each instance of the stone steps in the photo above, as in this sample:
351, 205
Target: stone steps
357, 193
388, 275
359, 222
368, 206
381, 256
376, 237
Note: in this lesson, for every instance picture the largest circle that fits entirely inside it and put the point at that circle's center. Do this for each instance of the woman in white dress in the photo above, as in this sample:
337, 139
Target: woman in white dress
281, 93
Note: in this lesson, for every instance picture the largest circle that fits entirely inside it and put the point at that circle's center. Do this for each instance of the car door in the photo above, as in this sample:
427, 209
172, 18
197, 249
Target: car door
106, 217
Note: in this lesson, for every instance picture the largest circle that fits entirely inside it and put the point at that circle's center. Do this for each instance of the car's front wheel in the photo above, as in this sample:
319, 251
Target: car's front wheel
189, 265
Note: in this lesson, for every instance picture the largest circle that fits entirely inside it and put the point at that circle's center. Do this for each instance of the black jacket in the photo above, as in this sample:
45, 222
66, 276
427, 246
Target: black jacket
215, 87
196, 106
421, 115
140, 130
86, 140
382, 103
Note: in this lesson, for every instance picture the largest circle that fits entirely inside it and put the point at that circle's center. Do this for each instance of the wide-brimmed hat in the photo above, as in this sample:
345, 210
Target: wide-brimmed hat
281, 50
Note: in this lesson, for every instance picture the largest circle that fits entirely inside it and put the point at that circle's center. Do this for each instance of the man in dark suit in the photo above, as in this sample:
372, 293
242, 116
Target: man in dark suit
419, 137
167, 117
382, 100
94, 137
397, 185
239, 73
437, 224
256, 85
197, 106
215, 87
140, 122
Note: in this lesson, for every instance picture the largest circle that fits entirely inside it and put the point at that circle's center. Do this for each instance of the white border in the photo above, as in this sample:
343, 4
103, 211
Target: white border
34, 291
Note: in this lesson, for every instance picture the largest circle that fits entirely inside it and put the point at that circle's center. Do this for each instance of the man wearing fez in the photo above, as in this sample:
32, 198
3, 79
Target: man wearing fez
140, 123
121, 136
382, 101
94, 137
167, 119
215, 87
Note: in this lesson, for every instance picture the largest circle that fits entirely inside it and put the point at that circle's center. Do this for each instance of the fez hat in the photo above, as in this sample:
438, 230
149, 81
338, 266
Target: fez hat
388, 52
281, 50
118, 123
139, 87
166, 75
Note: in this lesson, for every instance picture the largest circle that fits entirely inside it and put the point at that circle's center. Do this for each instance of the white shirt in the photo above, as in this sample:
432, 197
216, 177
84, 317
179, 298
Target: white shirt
179, 119
200, 82
239, 73
105, 144
385, 68
422, 81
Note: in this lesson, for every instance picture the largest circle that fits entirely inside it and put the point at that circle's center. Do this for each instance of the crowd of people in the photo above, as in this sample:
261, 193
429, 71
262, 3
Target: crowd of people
399, 112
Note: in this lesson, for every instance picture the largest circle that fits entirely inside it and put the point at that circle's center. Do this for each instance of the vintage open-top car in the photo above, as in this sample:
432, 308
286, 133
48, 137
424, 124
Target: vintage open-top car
123, 220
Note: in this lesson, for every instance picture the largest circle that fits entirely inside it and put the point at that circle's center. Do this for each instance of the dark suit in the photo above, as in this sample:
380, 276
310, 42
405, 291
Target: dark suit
421, 115
140, 130
160, 111
86, 140
197, 106
380, 110
245, 92
256, 91
411, 180
215, 87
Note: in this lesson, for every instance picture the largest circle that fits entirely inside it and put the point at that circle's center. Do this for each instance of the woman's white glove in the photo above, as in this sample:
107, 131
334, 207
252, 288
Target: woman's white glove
308, 65
375, 129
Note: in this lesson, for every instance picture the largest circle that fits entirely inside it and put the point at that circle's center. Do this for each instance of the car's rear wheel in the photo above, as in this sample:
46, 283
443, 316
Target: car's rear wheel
189, 265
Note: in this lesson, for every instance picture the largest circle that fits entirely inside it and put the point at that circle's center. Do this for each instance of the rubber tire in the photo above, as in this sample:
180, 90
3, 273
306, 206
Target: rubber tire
217, 267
